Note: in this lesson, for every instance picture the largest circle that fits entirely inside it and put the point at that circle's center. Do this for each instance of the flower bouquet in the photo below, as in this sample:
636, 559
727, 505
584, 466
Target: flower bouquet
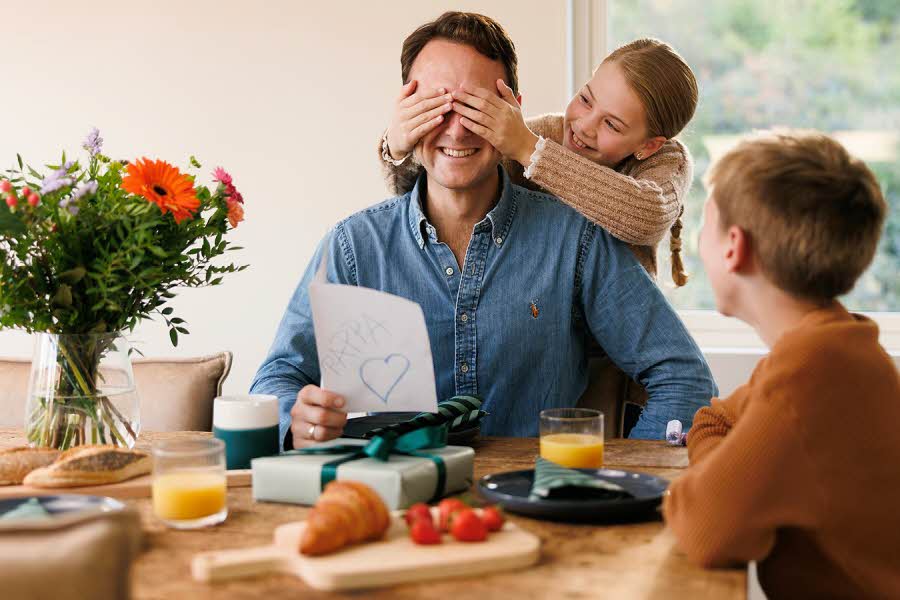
89, 249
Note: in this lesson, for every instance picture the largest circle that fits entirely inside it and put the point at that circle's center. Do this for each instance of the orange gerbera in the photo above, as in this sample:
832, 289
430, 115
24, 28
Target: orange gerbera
164, 185
235, 212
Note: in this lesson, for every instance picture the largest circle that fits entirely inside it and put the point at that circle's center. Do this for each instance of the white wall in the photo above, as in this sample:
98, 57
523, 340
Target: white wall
289, 96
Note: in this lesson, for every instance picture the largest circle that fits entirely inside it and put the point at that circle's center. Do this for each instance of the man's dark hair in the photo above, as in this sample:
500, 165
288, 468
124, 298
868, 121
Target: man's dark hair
478, 31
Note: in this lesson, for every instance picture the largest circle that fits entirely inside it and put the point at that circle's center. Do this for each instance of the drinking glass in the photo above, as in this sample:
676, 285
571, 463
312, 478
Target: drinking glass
189, 483
572, 437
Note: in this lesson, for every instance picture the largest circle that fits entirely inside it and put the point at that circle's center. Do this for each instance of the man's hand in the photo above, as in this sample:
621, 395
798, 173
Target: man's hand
498, 120
317, 416
415, 114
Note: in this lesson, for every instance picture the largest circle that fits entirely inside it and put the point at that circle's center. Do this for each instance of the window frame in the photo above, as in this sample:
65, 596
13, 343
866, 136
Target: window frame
586, 46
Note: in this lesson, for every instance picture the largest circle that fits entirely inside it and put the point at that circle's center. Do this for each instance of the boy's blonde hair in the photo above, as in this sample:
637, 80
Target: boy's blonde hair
812, 212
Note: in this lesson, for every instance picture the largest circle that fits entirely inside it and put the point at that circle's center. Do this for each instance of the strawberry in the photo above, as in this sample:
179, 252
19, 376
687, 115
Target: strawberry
423, 532
467, 526
416, 512
493, 518
446, 508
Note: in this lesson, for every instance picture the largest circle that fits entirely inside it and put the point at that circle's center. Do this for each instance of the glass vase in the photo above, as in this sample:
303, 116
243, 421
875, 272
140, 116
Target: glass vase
81, 392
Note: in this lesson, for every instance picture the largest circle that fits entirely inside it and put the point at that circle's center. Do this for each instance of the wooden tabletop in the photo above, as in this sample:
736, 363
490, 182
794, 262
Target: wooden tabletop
577, 561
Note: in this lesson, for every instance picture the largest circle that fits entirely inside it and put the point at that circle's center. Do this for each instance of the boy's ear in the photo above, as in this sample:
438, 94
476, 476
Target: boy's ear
737, 251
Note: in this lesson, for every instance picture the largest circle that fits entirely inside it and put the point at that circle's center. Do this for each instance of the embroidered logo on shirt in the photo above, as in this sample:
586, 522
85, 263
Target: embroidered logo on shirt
534, 309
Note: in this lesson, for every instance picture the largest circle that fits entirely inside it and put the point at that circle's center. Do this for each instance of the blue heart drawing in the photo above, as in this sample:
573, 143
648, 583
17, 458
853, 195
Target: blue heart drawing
379, 374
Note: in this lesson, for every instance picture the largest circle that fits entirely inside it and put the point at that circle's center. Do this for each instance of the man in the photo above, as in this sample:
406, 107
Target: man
512, 283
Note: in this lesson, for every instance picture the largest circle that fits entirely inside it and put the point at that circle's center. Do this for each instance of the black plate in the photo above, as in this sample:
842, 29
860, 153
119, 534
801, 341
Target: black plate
511, 491
359, 427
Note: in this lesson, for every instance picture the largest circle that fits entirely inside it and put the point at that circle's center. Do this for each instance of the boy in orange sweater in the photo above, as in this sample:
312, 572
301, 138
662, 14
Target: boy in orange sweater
799, 468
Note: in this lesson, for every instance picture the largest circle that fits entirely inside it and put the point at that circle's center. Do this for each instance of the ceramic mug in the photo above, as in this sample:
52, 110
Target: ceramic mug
248, 424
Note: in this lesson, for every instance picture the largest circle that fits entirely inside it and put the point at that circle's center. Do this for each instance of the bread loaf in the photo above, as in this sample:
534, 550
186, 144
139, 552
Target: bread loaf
16, 463
91, 465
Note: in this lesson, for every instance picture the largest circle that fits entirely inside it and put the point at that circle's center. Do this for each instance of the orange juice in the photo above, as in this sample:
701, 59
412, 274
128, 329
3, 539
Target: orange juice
573, 450
186, 495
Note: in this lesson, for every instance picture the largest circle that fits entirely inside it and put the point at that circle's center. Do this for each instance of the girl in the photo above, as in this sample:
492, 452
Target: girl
611, 156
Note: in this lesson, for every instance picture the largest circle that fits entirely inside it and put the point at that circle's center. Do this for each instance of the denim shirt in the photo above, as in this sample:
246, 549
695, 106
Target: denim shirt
513, 322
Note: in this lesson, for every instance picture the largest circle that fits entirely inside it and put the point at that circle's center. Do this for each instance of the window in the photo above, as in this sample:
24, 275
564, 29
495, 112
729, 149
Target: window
816, 64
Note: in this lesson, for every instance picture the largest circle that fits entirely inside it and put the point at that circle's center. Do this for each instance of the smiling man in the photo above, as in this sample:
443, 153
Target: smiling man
513, 284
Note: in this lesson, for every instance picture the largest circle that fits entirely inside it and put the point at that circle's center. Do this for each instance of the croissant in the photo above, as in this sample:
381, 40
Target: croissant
347, 512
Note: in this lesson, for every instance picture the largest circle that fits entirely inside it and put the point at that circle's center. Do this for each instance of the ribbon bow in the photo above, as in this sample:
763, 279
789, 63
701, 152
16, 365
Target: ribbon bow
410, 438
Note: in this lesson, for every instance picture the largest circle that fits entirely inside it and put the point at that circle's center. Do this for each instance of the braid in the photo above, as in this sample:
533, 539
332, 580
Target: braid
678, 274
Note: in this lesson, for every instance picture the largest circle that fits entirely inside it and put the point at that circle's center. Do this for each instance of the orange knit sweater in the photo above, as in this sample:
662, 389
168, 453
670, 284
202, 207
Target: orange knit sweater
800, 468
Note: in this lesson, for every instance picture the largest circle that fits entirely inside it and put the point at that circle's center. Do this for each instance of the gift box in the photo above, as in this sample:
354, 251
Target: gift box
401, 480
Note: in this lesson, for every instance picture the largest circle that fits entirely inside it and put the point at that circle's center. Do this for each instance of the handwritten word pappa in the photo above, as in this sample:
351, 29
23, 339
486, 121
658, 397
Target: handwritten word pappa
351, 342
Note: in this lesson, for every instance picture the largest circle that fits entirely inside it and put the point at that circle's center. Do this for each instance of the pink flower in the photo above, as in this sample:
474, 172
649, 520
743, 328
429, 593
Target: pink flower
222, 176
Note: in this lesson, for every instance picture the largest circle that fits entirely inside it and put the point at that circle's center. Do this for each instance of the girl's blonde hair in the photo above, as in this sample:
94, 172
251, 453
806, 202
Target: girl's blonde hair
668, 90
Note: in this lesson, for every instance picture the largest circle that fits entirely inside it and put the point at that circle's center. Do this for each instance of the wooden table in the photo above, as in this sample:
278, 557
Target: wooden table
577, 561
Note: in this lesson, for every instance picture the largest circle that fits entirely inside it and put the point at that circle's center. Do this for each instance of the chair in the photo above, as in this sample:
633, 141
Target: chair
613, 393
176, 394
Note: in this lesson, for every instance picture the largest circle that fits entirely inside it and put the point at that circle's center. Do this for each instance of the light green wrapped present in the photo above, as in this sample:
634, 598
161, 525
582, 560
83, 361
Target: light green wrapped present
405, 463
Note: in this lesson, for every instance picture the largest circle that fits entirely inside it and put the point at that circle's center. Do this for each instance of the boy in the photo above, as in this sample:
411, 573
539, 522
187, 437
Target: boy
798, 468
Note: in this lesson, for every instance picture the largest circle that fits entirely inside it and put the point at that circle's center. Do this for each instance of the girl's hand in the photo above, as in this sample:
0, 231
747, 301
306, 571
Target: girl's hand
498, 120
415, 114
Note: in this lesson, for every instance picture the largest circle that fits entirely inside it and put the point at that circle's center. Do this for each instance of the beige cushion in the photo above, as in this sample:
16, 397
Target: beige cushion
70, 558
176, 393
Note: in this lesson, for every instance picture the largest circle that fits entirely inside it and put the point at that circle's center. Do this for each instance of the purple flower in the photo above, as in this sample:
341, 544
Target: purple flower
93, 142
57, 179
89, 188
69, 205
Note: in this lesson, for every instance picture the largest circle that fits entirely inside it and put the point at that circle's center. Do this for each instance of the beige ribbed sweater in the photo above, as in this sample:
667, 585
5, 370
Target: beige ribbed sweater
638, 202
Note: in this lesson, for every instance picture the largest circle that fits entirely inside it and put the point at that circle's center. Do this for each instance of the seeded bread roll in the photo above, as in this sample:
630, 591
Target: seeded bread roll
16, 463
91, 465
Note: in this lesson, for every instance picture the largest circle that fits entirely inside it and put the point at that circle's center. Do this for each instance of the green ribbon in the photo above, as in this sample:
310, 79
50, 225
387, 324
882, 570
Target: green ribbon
409, 438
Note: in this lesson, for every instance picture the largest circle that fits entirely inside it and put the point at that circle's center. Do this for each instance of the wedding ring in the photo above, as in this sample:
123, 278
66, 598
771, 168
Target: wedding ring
311, 434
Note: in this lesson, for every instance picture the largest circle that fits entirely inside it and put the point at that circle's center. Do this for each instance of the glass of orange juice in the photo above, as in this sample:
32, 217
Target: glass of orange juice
189, 483
572, 437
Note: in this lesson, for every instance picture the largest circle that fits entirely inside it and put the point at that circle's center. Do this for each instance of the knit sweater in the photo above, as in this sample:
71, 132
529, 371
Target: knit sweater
637, 202
798, 468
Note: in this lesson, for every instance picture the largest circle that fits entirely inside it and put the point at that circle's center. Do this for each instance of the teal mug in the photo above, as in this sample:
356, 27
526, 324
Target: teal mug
248, 424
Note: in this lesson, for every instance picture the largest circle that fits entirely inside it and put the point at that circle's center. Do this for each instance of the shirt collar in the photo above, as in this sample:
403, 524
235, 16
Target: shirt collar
498, 219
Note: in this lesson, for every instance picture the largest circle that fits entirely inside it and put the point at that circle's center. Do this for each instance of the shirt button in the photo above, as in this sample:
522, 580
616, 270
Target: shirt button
464, 317
499, 240
449, 271
464, 368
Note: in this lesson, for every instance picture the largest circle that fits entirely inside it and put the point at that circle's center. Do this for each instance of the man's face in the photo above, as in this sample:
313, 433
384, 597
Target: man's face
453, 156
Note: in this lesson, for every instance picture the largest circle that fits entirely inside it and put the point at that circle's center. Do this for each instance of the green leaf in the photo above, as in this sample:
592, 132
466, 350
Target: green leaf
194, 162
158, 252
73, 276
19, 158
63, 296
173, 335
167, 310
10, 223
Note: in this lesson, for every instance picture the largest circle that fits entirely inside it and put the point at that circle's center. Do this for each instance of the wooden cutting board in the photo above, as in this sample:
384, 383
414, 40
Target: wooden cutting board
139, 487
395, 559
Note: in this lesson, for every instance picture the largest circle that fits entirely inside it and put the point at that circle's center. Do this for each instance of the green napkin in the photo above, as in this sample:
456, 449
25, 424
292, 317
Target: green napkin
555, 482
27, 510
